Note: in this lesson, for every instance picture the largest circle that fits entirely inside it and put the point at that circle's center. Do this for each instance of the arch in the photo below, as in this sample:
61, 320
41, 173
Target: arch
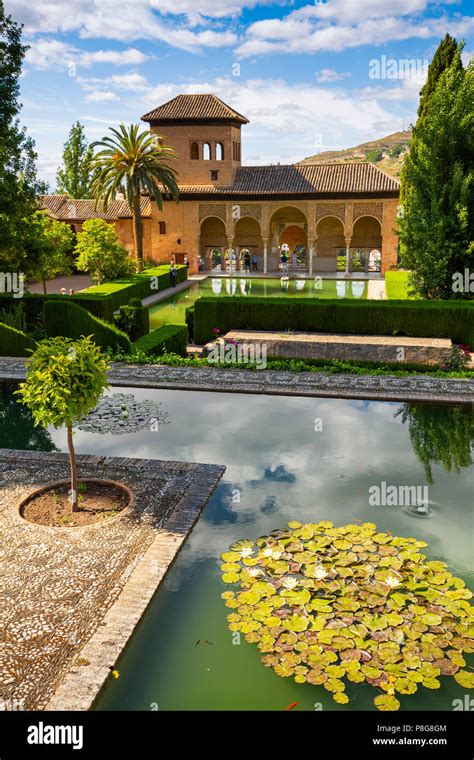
366, 239
248, 236
213, 242
219, 151
194, 151
289, 224
206, 151
330, 243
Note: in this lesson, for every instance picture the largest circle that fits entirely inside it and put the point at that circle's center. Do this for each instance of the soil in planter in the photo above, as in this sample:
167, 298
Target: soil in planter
97, 503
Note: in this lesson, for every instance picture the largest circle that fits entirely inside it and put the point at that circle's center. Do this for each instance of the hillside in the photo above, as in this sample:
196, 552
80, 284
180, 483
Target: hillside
387, 152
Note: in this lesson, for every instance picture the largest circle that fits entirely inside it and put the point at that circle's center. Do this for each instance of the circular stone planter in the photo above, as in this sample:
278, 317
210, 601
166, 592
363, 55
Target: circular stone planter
60, 483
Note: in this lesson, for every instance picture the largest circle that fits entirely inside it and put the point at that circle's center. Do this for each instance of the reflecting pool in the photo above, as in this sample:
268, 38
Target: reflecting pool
287, 458
173, 308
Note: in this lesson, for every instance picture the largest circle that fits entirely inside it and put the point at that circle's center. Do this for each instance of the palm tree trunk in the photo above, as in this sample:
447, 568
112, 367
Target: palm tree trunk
72, 462
138, 232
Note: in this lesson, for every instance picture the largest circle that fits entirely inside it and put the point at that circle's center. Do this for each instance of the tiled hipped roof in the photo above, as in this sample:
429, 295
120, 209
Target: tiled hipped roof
195, 107
304, 180
67, 209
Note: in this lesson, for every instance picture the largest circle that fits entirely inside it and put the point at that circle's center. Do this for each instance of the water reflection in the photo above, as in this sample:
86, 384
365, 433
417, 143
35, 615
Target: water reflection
440, 434
17, 427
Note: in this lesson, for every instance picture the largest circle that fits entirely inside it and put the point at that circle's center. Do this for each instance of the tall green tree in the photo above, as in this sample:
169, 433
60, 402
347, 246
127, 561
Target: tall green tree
19, 185
50, 242
442, 60
138, 162
74, 176
436, 225
100, 252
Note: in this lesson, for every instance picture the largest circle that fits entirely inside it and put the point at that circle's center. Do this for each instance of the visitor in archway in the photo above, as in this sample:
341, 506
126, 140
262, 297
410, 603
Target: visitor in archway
174, 275
294, 259
247, 261
284, 263
254, 263
200, 264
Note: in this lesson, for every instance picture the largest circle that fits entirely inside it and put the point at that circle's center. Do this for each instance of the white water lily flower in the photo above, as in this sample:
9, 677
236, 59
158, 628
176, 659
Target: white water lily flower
289, 582
270, 552
246, 552
254, 571
391, 581
320, 573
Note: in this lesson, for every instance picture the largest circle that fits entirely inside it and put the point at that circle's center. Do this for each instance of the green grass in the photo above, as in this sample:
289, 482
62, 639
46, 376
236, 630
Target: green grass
396, 285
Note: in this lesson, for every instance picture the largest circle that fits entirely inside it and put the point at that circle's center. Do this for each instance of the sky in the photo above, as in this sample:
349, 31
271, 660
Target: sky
310, 76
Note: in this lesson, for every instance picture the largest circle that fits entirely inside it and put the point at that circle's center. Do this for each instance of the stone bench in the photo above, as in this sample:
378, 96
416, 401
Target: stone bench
374, 348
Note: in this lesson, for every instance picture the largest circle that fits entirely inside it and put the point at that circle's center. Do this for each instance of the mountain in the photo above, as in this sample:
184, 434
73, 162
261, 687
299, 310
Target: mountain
388, 153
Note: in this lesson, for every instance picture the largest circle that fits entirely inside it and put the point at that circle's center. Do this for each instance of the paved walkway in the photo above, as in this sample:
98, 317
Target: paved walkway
157, 297
75, 282
63, 588
272, 382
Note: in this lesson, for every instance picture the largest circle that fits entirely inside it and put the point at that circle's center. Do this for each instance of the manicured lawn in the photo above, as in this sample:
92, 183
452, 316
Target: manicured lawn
396, 284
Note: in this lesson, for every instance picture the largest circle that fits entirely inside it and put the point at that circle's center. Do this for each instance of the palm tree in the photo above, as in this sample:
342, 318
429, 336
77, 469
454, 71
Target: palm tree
138, 162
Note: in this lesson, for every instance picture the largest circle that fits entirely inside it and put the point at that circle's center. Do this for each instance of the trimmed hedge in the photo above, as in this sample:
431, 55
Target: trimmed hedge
189, 320
14, 342
134, 320
427, 319
136, 286
71, 321
169, 339
34, 305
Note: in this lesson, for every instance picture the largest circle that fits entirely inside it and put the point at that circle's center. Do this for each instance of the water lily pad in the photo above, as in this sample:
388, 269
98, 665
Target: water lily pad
387, 702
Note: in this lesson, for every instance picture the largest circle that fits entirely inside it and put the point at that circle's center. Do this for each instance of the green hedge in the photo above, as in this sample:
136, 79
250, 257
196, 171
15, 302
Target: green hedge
134, 320
34, 305
169, 339
71, 321
428, 319
14, 342
189, 320
136, 286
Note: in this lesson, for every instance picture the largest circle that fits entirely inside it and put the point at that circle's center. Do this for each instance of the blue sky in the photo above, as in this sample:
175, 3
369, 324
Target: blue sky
301, 71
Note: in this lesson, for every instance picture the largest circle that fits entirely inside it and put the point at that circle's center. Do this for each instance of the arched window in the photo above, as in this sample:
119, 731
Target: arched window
219, 151
206, 151
194, 151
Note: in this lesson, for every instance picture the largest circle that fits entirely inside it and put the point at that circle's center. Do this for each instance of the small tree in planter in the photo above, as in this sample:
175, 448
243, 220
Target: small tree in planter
65, 379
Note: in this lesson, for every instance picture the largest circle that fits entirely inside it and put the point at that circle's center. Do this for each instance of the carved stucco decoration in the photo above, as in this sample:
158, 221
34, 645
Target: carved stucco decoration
368, 208
331, 209
212, 209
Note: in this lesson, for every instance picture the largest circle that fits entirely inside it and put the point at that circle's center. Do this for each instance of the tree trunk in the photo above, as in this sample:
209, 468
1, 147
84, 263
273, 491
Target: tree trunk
44, 288
72, 461
138, 232
99, 276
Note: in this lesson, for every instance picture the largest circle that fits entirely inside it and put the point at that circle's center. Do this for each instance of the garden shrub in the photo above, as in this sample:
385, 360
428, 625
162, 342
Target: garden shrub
14, 342
141, 285
169, 339
134, 319
64, 318
189, 319
428, 319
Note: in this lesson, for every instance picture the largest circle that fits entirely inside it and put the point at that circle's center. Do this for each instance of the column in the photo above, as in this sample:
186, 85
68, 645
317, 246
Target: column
232, 262
265, 255
348, 247
311, 244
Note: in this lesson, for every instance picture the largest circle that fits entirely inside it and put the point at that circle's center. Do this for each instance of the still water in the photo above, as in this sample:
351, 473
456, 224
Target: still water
286, 458
172, 310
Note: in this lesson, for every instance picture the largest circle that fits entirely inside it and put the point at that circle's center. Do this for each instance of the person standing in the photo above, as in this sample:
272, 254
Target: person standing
247, 261
254, 263
174, 274
284, 263
200, 264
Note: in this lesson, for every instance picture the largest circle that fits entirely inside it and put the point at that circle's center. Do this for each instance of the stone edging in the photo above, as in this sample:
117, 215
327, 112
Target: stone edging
275, 382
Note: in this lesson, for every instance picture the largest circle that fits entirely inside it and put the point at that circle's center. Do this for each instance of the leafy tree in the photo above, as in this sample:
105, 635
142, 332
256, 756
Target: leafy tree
100, 253
436, 224
74, 177
443, 59
139, 162
19, 186
440, 435
374, 155
64, 381
50, 242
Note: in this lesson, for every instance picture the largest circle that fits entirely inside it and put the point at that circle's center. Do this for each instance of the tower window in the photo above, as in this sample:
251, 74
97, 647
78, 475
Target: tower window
194, 151
162, 226
219, 151
206, 151
214, 175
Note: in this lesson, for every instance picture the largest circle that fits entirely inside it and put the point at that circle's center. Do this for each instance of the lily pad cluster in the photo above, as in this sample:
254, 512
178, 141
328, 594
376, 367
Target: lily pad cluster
122, 413
330, 605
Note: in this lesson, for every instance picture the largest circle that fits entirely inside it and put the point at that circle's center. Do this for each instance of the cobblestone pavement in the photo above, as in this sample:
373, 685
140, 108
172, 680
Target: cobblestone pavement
57, 584
386, 387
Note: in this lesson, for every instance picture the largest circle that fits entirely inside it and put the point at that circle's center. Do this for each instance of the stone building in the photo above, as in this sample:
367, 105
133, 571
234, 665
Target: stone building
320, 211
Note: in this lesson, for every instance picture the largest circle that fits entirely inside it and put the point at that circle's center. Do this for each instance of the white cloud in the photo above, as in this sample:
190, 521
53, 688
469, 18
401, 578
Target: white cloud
122, 20
344, 24
99, 96
329, 75
54, 54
